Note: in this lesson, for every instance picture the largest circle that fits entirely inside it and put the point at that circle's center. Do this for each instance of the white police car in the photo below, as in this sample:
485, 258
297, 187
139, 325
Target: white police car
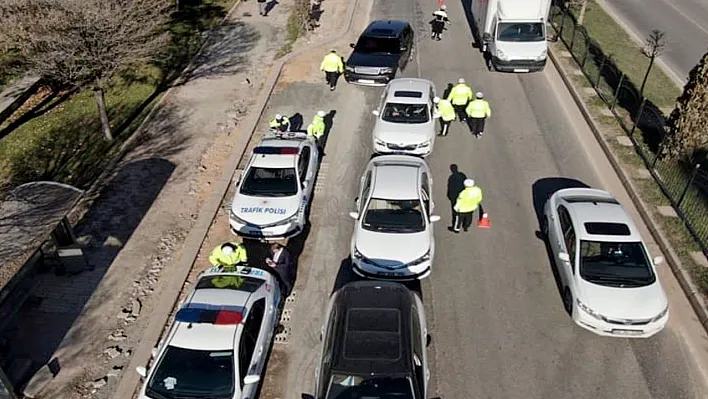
217, 345
275, 188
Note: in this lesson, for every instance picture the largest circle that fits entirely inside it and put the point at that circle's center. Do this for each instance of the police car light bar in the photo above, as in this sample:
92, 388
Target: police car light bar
210, 314
276, 150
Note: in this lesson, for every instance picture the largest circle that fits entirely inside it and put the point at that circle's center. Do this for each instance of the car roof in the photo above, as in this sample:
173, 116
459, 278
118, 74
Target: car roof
385, 28
206, 335
375, 318
400, 90
598, 216
396, 177
275, 160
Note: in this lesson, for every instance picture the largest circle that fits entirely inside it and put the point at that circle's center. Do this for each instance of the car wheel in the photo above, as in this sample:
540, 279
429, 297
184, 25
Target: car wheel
568, 301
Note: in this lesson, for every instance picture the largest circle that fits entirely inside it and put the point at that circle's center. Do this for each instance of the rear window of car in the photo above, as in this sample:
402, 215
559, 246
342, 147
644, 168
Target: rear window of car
607, 229
408, 94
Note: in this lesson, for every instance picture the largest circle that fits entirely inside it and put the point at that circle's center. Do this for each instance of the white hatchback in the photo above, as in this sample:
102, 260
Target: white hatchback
609, 282
405, 120
393, 236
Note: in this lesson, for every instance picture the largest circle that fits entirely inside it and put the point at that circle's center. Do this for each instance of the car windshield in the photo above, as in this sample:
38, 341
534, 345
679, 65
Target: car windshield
193, 374
405, 113
381, 45
520, 32
616, 264
270, 182
394, 216
343, 386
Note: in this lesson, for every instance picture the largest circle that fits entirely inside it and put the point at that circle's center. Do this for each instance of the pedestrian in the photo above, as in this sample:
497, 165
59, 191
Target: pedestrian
447, 114
438, 23
228, 256
280, 123
467, 202
282, 262
332, 66
478, 111
316, 129
263, 7
460, 95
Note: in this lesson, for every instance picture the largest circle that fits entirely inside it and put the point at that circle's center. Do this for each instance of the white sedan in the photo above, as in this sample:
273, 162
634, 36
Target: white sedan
273, 195
609, 282
393, 235
221, 335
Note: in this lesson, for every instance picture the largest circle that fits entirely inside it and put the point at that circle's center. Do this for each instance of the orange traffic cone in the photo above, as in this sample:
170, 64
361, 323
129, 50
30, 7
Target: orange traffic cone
484, 221
441, 3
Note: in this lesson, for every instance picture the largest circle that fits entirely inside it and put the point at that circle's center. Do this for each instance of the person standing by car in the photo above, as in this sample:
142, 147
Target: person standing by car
467, 202
228, 256
332, 66
316, 129
478, 111
282, 262
460, 95
438, 22
280, 123
447, 113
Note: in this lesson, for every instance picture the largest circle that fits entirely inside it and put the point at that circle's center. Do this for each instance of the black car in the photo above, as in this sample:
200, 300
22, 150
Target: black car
382, 50
375, 342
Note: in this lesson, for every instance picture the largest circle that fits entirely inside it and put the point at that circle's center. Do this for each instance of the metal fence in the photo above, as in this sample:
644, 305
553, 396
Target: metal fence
685, 184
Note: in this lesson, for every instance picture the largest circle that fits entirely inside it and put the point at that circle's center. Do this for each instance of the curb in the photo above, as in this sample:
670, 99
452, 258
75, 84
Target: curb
690, 290
160, 316
125, 147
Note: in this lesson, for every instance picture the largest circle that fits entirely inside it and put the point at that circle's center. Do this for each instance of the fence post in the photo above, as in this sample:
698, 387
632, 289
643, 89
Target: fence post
587, 50
688, 184
560, 31
659, 149
617, 92
599, 71
638, 117
572, 38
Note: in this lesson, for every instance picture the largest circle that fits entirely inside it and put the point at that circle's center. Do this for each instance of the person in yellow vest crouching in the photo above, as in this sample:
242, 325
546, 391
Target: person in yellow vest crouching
467, 202
228, 256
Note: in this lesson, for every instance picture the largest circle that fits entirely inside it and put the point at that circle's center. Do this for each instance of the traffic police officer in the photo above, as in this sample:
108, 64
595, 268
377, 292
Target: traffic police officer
280, 123
317, 128
460, 95
228, 256
438, 22
478, 111
447, 113
467, 202
332, 66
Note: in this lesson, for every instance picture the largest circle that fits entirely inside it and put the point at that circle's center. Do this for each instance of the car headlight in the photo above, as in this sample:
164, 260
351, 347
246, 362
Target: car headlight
542, 56
385, 70
424, 144
236, 218
422, 259
661, 315
357, 254
501, 55
379, 142
349, 68
589, 311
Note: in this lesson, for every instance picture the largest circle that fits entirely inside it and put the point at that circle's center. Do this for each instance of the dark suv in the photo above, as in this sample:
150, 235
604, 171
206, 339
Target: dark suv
384, 48
374, 346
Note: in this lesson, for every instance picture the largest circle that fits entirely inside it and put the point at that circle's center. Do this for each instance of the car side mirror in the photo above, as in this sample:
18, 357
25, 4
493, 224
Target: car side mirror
486, 38
375, 112
658, 260
354, 215
307, 396
251, 379
352, 45
434, 218
404, 48
142, 371
153, 353
564, 257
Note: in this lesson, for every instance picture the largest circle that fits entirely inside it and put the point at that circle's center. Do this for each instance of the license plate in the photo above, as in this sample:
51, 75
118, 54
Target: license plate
521, 70
393, 274
627, 332
366, 81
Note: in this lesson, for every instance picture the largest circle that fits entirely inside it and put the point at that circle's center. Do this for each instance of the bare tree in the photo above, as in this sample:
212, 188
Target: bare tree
653, 48
85, 43
688, 123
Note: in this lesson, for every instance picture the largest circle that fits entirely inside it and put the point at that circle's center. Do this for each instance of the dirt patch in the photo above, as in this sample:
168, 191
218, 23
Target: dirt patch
273, 381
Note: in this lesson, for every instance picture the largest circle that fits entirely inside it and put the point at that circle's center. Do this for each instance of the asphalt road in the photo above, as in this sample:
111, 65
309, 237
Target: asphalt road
684, 21
494, 312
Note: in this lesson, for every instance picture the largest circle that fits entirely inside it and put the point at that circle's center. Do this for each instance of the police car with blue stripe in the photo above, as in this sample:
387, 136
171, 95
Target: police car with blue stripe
221, 335
274, 191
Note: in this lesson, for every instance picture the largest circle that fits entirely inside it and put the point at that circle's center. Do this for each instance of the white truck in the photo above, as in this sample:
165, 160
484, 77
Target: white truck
512, 33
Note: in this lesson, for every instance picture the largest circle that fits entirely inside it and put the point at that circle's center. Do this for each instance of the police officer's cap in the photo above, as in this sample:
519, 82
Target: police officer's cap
479, 94
278, 116
443, 7
436, 100
461, 80
321, 114
227, 249
469, 183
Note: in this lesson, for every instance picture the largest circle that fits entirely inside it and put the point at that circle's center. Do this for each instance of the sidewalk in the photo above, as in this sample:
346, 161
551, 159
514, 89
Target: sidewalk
12, 96
134, 230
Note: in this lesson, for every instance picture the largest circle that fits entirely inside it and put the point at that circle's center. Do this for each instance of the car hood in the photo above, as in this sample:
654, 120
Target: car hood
623, 303
373, 60
261, 211
406, 134
392, 250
